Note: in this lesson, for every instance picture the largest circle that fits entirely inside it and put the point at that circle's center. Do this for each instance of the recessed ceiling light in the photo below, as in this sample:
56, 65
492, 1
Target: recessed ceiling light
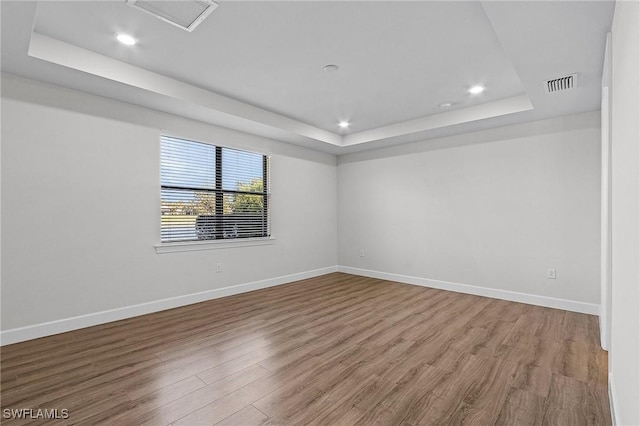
330, 68
476, 89
343, 124
126, 39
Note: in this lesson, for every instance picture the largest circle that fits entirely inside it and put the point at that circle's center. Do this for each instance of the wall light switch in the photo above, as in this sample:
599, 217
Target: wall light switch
551, 274
361, 252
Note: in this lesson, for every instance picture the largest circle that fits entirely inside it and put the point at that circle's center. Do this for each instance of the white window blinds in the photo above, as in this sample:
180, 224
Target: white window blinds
212, 193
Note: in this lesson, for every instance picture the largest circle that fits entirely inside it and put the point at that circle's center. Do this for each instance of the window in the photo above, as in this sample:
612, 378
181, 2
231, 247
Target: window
212, 193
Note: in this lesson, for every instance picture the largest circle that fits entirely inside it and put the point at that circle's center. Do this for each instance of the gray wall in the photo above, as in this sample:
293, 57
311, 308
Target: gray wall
625, 155
81, 197
496, 209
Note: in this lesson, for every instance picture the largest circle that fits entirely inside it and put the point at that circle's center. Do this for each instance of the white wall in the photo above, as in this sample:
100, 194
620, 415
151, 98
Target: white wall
625, 139
605, 201
496, 210
81, 197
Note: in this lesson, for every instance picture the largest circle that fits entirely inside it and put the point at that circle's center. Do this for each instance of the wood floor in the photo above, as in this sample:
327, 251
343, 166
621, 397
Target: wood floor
332, 350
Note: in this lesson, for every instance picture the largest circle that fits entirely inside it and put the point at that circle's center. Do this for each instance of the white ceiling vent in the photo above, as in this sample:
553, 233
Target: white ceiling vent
186, 14
562, 84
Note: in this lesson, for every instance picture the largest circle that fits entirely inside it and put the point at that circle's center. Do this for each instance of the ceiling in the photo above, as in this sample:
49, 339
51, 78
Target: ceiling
258, 66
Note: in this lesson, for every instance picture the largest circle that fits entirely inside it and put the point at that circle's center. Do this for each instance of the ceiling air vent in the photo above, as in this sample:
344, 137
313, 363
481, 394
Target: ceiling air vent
186, 14
561, 84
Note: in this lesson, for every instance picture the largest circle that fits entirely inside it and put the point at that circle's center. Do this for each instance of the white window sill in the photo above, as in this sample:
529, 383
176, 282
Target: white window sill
212, 244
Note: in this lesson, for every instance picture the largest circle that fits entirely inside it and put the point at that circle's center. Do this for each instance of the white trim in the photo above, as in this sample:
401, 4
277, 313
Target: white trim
212, 245
531, 299
68, 324
613, 401
605, 202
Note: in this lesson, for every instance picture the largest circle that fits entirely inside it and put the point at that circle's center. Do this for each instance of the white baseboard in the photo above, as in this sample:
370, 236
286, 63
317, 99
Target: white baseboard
531, 299
21, 334
68, 324
613, 401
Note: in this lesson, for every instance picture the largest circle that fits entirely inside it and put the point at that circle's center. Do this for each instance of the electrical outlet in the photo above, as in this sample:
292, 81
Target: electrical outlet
551, 274
219, 267
361, 252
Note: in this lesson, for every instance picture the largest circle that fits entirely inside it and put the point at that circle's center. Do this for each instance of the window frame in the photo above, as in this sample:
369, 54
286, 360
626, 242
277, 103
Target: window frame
220, 240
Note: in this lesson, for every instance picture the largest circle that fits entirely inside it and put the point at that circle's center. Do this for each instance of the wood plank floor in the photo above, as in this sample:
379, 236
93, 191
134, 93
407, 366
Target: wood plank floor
332, 350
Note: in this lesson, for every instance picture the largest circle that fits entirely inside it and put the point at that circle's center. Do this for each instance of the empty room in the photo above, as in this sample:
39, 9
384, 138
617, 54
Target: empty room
320, 212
